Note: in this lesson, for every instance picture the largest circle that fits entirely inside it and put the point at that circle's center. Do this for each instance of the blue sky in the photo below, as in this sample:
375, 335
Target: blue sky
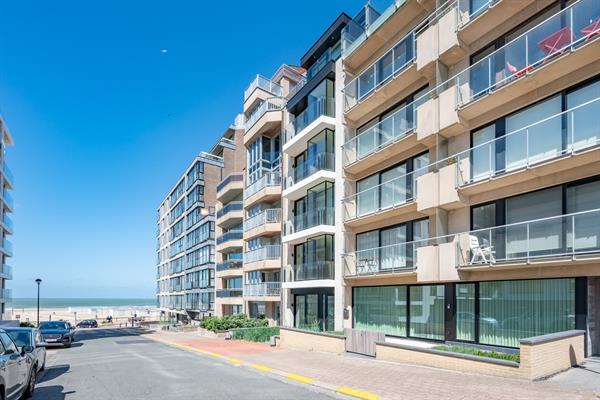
104, 122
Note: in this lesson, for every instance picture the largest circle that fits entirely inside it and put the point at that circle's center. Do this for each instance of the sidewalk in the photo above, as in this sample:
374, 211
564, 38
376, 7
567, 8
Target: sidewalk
383, 379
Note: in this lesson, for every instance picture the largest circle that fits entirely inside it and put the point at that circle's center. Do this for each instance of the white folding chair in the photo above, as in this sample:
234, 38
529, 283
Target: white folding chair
478, 251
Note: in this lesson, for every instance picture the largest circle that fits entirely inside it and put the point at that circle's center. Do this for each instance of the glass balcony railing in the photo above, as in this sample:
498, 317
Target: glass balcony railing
387, 195
322, 162
6, 271
7, 221
230, 292
7, 294
230, 178
274, 104
268, 252
556, 136
267, 180
7, 246
230, 235
323, 106
310, 219
230, 207
395, 258
265, 84
268, 216
568, 235
561, 33
468, 10
262, 289
332, 54
8, 199
228, 265
310, 271
381, 71
8, 173
365, 23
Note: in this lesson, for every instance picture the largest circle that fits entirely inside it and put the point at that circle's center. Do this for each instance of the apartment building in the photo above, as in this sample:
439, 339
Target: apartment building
188, 235
228, 300
264, 104
470, 168
6, 251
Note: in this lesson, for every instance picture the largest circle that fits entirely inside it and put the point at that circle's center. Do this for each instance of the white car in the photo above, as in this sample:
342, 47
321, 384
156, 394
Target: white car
30, 341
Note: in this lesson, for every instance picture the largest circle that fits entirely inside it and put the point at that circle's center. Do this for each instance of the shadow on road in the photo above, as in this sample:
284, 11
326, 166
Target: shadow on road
51, 393
91, 334
53, 372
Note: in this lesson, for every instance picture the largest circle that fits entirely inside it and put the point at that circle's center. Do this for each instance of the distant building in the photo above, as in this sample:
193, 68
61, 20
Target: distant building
7, 182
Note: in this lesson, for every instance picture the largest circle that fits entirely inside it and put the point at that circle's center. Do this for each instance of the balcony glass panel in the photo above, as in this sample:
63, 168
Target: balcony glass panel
264, 84
557, 35
8, 199
8, 173
310, 166
230, 207
267, 180
311, 271
262, 289
229, 179
268, 216
471, 9
274, 104
332, 54
310, 219
269, 252
230, 235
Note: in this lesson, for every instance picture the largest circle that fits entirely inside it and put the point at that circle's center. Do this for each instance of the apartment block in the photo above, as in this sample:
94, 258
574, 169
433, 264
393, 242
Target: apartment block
470, 172
189, 234
6, 251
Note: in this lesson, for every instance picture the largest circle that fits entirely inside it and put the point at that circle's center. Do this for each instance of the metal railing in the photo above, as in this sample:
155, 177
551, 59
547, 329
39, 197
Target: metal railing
268, 216
236, 177
262, 289
310, 166
559, 34
268, 252
399, 257
310, 271
396, 60
562, 134
274, 104
230, 207
569, 235
365, 23
393, 193
230, 235
265, 84
268, 179
322, 106
310, 219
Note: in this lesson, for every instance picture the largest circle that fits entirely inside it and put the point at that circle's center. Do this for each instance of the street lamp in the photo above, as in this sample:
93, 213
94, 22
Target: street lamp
38, 281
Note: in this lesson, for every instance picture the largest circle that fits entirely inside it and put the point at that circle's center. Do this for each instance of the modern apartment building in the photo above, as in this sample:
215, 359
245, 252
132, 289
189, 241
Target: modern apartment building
6, 251
187, 229
264, 103
470, 168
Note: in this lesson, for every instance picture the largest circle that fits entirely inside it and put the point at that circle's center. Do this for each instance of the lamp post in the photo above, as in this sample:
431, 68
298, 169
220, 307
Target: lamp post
38, 281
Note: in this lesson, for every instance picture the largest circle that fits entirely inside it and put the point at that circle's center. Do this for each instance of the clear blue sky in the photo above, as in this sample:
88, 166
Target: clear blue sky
104, 122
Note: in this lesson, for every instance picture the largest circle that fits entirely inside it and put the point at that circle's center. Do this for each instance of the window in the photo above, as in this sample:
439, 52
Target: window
314, 259
314, 311
381, 309
8, 344
316, 208
427, 312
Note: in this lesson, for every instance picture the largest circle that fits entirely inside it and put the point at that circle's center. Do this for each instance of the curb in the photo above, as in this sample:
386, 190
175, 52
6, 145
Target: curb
345, 390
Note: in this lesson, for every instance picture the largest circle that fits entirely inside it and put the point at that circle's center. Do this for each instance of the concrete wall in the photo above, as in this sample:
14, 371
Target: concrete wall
294, 339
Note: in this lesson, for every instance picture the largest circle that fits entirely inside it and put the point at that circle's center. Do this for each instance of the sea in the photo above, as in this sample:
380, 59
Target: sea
80, 302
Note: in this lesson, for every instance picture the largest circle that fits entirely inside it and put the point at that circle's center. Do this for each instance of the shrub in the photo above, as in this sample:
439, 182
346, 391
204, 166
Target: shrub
255, 334
228, 322
478, 352
26, 325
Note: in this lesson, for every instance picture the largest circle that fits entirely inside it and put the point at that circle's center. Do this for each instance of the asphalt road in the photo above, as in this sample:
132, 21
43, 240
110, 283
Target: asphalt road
115, 364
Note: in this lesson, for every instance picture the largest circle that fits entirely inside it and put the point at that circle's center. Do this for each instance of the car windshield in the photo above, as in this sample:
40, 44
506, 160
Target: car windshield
53, 325
21, 338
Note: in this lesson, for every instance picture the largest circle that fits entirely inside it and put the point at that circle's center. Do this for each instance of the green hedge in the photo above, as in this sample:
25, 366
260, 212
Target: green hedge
229, 322
477, 352
255, 334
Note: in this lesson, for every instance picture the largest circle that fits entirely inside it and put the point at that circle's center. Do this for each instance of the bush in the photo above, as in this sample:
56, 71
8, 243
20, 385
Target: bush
228, 322
26, 325
255, 334
477, 352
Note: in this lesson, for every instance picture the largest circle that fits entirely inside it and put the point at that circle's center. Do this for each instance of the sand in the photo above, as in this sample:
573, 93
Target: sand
77, 314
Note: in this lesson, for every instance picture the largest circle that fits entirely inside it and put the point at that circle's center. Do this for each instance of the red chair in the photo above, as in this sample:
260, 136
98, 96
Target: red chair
556, 43
591, 30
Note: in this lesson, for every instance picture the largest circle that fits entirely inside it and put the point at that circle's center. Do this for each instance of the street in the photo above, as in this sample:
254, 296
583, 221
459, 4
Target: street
122, 364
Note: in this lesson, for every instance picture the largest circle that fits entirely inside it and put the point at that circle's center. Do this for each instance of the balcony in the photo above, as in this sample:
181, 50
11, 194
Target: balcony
6, 272
6, 295
390, 137
8, 199
229, 265
267, 188
305, 275
391, 199
317, 116
7, 247
260, 88
230, 292
561, 147
263, 289
564, 47
562, 239
230, 187
229, 241
309, 224
8, 223
266, 257
8, 176
398, 258
264, 118
384, 82
230, 215
309, 173
265, 223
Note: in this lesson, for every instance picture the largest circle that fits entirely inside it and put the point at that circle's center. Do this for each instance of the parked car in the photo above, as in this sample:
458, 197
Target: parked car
17, 372
57, 333
88, 323
30, 340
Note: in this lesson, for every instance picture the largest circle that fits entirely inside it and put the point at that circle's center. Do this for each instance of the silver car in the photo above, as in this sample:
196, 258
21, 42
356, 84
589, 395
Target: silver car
17, 372
30, 340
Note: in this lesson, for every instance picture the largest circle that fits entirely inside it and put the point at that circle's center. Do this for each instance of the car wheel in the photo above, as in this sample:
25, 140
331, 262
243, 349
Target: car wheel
68, 343
31, 383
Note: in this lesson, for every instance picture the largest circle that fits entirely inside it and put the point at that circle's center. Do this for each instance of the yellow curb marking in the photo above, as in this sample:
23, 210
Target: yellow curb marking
215, 354
261, 367
299, 378
357, 393
234, 360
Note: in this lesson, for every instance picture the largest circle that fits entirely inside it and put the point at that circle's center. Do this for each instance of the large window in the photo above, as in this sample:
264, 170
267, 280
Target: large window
316, 208
314, 259
319, 155
263, 156
314, 311
427, 312
381, 309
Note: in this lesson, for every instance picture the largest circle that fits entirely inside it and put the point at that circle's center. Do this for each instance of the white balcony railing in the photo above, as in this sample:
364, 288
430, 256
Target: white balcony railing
274, 104
268, 216
322, 106
262, 289
267, 180
268, 252
265, 84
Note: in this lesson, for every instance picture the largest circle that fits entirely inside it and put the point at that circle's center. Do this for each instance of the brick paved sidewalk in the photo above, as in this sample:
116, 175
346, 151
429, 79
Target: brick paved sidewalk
388, 380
